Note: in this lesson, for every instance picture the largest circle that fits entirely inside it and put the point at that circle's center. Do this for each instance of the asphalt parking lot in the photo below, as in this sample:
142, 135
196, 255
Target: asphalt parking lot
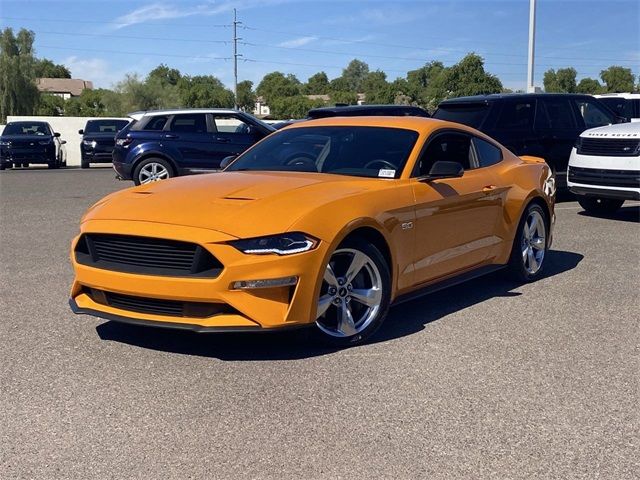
484, 380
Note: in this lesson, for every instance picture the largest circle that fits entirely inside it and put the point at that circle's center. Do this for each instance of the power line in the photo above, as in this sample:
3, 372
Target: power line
121, 52
122, 24
134, 37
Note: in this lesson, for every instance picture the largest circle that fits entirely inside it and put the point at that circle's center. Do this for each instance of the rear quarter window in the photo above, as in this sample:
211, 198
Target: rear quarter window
153, 123
488, 154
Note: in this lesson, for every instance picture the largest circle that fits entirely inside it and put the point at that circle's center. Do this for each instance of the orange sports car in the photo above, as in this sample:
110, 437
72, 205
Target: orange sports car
325, 223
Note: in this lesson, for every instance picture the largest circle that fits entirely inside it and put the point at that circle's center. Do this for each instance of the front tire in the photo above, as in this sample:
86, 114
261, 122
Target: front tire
84, 165
354, 296
152, 170
530, 245
599, 205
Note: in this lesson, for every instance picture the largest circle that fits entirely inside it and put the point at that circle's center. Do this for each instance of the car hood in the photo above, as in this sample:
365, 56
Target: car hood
618, 130
25, 138
240, 204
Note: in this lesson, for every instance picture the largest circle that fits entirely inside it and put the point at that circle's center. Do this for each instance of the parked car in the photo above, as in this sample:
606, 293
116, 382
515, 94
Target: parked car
625, 105
359, 111
544, 124
167, 143
98, 140
26, 142
389, 208
604, 168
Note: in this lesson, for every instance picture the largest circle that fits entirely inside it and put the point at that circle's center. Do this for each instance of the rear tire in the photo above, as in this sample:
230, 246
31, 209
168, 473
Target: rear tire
25, 165
84, 165
2, 166
354, 296
151, 170
530, 245
599, 205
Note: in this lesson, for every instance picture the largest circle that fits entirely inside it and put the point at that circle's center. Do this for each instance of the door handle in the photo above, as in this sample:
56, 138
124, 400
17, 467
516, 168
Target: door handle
170, 135
222, 140
488, 188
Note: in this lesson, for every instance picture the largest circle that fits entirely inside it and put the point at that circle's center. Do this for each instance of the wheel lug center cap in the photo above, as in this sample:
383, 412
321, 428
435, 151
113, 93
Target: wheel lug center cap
342, 292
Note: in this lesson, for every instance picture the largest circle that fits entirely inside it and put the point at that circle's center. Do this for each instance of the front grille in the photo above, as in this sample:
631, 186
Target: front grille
612, 147
146, 256
608, 178
154, 306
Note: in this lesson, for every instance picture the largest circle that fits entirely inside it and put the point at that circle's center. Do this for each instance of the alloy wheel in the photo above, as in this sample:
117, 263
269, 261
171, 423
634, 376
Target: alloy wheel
351, 294
152, 172
533, 242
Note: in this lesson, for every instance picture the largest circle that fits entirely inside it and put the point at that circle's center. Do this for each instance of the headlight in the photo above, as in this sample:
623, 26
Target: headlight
4, 143
89, 143
123, 142
284, 244
44, 142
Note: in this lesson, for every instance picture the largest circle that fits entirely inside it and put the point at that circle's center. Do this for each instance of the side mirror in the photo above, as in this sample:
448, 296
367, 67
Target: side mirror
56, 134
444, 170
63, 142
81, 132
227, 160
620, 119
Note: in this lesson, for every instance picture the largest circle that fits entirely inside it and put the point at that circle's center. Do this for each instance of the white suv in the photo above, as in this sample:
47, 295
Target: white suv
604, 167
625, 105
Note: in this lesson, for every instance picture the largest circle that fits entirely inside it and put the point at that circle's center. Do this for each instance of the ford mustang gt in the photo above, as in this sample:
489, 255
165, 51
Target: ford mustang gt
325, 224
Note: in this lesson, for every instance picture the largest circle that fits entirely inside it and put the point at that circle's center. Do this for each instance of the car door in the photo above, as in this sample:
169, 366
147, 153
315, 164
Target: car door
188, 134
455, 218
558, 130
514, 126
232, 136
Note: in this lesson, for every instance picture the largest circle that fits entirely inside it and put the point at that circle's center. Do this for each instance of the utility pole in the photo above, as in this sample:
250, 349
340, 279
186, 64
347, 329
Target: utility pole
235, 58
532, 45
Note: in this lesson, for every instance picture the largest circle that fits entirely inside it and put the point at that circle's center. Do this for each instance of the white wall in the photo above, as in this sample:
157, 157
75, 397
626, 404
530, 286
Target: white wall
68, 128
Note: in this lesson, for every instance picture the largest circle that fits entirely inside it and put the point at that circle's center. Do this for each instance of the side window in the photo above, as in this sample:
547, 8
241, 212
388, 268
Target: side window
488, 154
154, 123
447, 147
593, 114
192, 123
517, 115
559, 113
228, 124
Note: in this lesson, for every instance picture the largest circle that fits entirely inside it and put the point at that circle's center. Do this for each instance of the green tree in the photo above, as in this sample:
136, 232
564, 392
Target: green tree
561, 81
618, 79
204, 91
246, 97
278, 85
165, 75
45, 68
376, 88
339, 84
590, 86
340, 96
50, 105
354, 74
295, 106
317, 84
468, 77
426, 85
96, 103
18, 92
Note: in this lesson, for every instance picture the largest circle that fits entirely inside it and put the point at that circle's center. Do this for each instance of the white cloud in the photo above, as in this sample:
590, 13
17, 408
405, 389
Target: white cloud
297, 42
160, 11
96, 70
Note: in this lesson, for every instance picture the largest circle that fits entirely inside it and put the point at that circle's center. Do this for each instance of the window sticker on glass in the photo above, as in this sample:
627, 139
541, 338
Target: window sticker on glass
386, 173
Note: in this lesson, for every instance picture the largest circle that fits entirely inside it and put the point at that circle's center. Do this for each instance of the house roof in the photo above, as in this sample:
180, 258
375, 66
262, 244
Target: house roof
73, 86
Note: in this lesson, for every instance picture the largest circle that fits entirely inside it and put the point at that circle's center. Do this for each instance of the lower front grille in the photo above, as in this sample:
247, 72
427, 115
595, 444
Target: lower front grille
605, 177
154, 306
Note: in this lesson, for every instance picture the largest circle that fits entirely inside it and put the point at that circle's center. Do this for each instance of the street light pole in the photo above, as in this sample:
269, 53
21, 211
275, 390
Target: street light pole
532, 45
235, 58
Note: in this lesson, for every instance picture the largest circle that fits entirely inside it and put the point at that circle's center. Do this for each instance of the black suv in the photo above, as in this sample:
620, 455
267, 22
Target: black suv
22, 143
545, 125
98, 140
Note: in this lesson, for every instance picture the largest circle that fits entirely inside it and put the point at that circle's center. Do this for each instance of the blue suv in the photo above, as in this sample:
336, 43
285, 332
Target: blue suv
166, 143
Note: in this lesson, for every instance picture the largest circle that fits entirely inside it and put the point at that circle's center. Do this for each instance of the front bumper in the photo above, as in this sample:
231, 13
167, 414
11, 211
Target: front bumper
256, 310
123, 170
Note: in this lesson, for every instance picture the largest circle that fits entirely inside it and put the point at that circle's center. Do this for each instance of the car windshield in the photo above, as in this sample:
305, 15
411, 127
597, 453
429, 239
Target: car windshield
26, 128
356, 151
105, 126
472, 114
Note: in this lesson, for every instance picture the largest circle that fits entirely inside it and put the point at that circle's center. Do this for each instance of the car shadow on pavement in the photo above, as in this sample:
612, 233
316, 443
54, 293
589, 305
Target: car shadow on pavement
629, 213
404, 319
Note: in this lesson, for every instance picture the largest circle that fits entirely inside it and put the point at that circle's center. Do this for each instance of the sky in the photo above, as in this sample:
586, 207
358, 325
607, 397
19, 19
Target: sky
102, 40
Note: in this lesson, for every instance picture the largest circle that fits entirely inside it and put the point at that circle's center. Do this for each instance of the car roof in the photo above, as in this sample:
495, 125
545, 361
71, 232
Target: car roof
618, 95
27, 122
174, 111
418, 124
363, 108
503, 96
